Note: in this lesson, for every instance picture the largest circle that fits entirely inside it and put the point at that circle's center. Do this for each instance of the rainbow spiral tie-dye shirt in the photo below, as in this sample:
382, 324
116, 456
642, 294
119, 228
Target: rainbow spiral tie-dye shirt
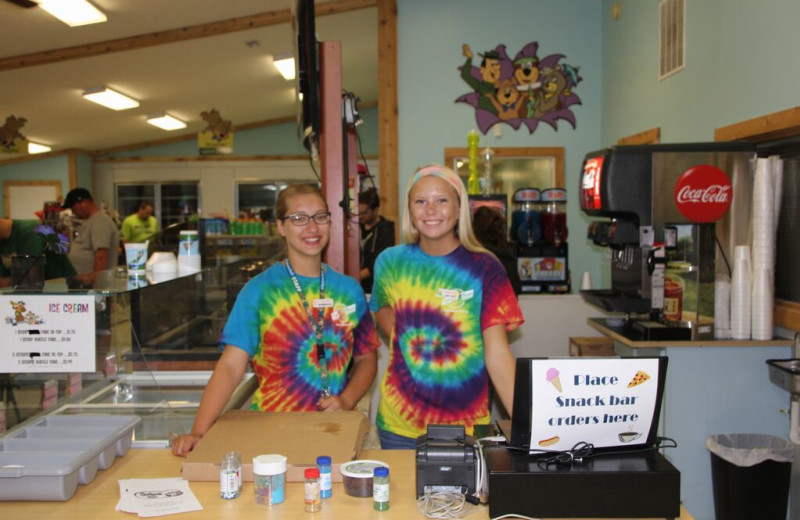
437, 370
268, 322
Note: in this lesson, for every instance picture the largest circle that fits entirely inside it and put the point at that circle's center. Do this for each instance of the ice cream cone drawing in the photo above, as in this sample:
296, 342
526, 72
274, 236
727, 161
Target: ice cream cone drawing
554, 379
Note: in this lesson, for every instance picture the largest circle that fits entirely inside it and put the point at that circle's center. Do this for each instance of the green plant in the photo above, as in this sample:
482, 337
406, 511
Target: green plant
53, 242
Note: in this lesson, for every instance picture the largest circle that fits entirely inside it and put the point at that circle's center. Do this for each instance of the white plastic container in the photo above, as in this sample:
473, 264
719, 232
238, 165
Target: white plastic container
269, 479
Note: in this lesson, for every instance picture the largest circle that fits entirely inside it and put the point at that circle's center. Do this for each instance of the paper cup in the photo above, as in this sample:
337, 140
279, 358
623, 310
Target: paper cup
189, 244
136, 257
586, 281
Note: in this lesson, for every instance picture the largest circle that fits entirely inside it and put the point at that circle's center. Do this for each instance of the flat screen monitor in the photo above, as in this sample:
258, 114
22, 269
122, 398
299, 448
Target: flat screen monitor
307, 73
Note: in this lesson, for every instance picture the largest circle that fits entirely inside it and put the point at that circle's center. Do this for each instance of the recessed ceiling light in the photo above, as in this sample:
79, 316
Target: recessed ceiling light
284, 62
166, 122
34, 148
73, 12
109, 98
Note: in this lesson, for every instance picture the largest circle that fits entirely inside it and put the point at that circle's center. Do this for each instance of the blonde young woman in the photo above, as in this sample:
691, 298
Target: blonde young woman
305, 328
446, 303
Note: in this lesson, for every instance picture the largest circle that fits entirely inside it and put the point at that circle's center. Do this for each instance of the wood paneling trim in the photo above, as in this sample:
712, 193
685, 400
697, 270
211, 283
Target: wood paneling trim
770, 127
651, 136
556, 152
388, 151
244, 23
73, 170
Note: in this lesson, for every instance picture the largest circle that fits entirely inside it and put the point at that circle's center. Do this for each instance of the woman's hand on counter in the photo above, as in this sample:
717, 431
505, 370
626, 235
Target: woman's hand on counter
332, 403
183, 444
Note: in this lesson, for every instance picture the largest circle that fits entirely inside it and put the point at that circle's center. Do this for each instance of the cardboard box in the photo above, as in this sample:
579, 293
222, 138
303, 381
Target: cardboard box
591, 346
300, 436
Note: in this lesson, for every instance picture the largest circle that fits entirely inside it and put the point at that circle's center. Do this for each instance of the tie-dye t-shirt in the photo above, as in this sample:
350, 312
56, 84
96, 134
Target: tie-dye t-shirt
437, 370
268, 321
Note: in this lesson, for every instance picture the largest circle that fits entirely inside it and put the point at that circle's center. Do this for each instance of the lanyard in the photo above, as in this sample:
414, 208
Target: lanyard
318, 325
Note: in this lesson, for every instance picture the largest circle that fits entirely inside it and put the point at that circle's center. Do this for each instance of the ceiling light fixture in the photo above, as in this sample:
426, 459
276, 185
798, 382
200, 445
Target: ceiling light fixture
284, 62
166, 122
34, 148
109, 98
73, 12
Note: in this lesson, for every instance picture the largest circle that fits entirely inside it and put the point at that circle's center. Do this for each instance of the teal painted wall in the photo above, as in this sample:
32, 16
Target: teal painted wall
741, 63
430, 36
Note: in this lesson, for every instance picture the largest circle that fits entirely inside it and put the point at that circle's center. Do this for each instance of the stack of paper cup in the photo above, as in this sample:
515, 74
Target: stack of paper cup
761, 306
722, 307
189, 251
740, 293
763, 254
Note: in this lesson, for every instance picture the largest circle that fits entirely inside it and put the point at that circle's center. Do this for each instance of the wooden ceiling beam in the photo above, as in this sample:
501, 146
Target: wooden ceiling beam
244, 23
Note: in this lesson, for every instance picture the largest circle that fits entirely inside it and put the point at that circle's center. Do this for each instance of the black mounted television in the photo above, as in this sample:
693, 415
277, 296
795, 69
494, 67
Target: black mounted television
307, 74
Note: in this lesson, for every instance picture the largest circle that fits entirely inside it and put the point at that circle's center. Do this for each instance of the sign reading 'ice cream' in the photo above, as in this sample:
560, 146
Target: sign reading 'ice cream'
606, 402
47, 333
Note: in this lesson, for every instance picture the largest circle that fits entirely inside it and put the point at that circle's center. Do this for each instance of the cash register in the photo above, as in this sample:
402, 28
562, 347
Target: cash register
583, 442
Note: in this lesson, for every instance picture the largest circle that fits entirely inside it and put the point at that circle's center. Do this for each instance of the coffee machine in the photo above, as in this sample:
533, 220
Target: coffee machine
672, 214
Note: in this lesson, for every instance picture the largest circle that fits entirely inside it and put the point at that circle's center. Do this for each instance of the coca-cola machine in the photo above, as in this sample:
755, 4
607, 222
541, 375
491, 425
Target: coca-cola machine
672, 215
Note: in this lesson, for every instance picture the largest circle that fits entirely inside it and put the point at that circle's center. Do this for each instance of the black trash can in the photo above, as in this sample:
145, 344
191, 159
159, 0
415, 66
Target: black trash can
750, 474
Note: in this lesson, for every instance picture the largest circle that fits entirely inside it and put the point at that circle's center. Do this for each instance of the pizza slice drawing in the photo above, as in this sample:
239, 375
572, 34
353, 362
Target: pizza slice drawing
638, 379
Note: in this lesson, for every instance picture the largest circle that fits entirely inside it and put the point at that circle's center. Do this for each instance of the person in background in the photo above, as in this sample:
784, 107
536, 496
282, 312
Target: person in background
446, 304
489, 226
139, 226
304, 327
95, 244
377, 234
19, 237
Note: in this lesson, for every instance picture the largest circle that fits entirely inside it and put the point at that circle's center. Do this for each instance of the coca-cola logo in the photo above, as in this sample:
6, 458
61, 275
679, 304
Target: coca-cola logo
703, 193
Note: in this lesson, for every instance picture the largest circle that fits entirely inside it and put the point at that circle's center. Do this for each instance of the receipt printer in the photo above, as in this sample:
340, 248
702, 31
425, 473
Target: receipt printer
446, 460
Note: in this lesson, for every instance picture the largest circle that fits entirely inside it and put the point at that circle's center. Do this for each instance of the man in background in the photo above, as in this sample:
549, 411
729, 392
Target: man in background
139, 226
377, 234
96, 243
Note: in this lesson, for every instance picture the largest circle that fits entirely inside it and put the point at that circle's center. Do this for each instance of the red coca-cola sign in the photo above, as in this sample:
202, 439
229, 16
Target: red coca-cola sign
703, 193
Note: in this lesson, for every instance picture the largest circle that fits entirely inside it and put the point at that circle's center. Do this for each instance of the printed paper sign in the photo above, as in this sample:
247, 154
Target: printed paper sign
47, 333
606, 404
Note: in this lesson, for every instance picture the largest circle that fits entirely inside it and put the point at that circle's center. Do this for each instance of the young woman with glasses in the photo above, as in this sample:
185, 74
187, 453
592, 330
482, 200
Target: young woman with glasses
304, 327
446, 303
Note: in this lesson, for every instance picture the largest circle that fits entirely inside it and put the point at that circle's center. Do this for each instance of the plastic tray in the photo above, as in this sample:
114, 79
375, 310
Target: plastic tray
49, 458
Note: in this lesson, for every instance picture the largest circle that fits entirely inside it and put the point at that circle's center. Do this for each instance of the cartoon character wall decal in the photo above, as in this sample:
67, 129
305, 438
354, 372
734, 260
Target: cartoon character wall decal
524, 90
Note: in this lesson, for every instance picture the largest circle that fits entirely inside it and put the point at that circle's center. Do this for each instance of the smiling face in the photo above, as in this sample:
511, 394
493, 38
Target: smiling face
304, 243
433, 205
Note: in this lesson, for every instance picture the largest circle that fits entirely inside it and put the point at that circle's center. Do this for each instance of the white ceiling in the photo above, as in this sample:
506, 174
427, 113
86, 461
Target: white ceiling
182, 78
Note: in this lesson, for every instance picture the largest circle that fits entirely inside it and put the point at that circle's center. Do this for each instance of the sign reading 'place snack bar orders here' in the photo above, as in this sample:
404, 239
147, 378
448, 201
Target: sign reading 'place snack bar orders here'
47, 333
608, 404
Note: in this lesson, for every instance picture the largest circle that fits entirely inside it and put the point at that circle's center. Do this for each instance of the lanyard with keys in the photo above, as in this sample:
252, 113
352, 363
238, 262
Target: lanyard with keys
318, 325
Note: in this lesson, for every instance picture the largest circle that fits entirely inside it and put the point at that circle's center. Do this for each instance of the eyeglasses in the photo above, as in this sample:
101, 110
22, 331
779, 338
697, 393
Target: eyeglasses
301, 219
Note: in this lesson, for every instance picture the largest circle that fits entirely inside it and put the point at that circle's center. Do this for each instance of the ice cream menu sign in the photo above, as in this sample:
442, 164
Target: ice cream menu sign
47, 333
606, 402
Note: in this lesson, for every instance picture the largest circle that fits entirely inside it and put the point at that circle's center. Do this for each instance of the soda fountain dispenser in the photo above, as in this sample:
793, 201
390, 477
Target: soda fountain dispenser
671, 216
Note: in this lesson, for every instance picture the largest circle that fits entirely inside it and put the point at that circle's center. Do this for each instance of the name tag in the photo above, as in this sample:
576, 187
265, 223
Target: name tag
322, 303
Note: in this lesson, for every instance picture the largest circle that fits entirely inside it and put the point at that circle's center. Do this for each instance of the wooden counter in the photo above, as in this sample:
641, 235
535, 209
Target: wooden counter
617, 333
98, 499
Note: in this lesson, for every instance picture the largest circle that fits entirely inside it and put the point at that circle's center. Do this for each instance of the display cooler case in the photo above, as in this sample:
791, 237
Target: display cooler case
153, 348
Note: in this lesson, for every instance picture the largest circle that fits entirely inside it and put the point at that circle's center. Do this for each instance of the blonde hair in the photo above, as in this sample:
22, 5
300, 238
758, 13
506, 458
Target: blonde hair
464, 225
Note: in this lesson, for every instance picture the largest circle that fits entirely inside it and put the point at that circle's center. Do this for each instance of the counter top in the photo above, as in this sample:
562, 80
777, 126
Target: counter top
629, 338
98, 499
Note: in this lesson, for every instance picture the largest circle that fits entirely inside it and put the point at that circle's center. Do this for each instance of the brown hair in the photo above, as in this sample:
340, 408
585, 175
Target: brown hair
282, 205
489, 227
